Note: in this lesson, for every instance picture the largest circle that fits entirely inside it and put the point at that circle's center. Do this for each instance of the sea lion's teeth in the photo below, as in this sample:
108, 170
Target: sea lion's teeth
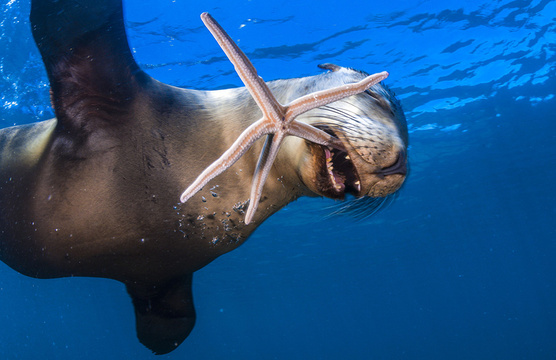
357, 182
347, 157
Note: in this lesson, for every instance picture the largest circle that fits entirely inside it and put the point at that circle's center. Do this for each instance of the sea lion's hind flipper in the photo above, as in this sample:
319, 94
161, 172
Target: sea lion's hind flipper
164, 314
91, 70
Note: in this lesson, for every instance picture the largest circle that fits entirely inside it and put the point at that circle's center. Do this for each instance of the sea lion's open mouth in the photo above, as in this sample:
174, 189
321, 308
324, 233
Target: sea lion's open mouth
341, 171
337, 174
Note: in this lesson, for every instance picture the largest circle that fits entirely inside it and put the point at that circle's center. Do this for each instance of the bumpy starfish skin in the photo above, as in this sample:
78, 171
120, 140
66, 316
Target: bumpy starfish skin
278, 120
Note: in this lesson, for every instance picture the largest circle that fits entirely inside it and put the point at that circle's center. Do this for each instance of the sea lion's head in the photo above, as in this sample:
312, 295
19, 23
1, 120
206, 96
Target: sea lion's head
371, 158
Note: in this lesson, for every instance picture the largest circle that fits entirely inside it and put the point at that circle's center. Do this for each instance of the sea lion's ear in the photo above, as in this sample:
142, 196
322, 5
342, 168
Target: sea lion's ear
87, 58
331, 67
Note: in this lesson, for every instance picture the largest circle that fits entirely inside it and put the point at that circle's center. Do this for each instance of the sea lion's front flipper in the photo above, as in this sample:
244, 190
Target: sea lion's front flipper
164, 314
92, 73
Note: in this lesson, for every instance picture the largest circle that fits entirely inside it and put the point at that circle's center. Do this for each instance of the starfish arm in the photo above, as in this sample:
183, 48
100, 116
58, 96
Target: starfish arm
264, 98
254, 199
324, 97
313, 134
238, 148
268, 155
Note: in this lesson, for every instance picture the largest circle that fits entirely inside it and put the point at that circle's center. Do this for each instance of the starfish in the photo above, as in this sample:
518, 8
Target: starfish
278, 120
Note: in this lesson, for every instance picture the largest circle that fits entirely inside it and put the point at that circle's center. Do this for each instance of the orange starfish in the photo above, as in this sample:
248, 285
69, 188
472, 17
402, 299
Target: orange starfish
278, 120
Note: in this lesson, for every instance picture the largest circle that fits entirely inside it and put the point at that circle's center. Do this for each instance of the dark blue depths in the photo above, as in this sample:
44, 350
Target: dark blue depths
460, 266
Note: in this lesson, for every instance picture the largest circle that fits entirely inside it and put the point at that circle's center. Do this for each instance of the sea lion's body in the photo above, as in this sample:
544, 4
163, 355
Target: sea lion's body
95, 192
61, 201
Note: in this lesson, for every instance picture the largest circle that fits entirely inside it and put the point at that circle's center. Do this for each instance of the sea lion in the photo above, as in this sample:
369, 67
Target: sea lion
95, 191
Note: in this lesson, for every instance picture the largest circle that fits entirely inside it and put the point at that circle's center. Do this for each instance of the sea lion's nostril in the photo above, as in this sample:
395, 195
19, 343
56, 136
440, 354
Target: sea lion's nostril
399, 167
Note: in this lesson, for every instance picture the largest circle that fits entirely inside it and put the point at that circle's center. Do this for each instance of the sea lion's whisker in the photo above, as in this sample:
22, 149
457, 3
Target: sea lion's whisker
360, 208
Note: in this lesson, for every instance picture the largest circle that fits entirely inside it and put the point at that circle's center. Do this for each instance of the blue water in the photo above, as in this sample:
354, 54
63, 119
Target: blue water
461, 266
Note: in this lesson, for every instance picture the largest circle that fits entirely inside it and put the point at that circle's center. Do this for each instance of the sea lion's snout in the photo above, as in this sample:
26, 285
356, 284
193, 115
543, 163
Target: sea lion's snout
385, 181
399, 167
379, 157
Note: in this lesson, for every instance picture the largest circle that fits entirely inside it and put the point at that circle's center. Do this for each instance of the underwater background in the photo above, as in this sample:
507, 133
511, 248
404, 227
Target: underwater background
462, 265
